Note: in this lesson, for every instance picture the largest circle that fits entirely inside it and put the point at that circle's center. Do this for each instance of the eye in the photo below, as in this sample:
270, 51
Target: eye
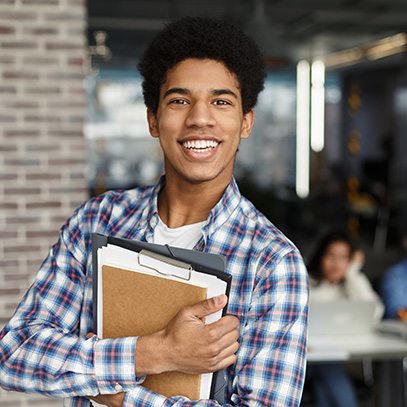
178, 102
221, 102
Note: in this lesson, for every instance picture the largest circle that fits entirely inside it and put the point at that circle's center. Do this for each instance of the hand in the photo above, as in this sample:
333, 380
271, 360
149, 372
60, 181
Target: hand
110, 400
188, 345
359, 257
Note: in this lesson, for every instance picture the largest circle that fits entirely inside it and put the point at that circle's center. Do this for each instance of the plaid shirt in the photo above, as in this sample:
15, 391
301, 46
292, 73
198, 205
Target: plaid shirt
43, 348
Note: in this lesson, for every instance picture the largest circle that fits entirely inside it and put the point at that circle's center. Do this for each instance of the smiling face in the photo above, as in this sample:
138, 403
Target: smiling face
200, 121
335, 261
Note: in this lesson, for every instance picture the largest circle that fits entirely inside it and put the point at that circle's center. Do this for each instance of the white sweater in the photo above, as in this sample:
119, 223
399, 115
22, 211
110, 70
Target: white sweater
355, 286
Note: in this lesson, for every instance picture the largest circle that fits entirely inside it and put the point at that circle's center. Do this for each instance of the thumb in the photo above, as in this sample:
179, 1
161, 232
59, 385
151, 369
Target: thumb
209, 306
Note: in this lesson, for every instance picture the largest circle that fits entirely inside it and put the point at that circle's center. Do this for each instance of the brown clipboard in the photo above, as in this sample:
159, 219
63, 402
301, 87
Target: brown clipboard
136, 304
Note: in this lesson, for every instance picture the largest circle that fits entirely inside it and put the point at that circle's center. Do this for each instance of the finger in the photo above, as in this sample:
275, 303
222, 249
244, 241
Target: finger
228, 340
209, 306
230, 360
224, 359
89, 335
223, 326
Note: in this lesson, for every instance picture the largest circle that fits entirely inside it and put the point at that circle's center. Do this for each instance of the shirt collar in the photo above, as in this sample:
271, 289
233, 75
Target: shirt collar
224, 208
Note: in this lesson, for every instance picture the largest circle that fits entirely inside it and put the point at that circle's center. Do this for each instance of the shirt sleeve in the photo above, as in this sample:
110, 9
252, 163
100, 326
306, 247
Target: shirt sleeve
41, 349
357, 286
270, 365
392, 291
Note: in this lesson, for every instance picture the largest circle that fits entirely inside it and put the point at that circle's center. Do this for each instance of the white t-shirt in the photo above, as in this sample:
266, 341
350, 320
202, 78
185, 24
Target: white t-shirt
185, 236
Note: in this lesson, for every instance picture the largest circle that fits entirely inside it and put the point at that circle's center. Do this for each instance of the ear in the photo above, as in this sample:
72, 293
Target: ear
248, 120
152, 123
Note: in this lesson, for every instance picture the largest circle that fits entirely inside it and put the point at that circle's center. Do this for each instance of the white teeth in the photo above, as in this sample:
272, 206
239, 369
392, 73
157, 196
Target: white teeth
200, 145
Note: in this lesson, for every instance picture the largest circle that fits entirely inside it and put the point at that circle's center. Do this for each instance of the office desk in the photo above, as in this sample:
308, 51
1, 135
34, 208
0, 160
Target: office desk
374, 346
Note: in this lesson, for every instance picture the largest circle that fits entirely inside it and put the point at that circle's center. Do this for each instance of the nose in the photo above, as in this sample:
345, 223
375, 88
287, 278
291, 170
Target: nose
200, 115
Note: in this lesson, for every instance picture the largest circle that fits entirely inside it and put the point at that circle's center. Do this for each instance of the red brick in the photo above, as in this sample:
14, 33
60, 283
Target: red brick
20, 75
65, 16
69, 190
10, 205
77, 91
67, 104
77, 3
8, 263
66, 76
42, 119
10, 291
7, 148
66, 161
41, 60
43, 205
66, 133
7, 89
6, 30
22, 191
19, 45
41, 31
7, 60
21, 133
8, 177
42, 2
15, 220
19, 15
43, 90
7, 118
42, 176
76, 61
23, 162
22, 104
43, 147
64, 46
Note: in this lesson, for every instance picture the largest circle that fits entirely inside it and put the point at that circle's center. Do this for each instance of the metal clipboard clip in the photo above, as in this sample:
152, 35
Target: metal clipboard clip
164, 265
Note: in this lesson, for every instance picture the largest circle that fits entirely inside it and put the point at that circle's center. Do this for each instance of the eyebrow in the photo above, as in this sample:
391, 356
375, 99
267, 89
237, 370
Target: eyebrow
215, 92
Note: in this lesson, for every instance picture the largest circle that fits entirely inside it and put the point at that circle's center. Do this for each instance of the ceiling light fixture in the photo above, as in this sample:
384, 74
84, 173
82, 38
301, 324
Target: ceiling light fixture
375, 50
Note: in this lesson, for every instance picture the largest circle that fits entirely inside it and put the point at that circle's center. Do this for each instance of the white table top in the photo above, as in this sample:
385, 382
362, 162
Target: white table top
376, 345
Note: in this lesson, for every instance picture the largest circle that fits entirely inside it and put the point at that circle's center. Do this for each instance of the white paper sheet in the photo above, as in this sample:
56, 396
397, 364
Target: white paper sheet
117, 256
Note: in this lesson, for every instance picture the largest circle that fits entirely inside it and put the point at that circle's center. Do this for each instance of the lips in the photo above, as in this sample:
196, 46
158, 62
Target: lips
200, 146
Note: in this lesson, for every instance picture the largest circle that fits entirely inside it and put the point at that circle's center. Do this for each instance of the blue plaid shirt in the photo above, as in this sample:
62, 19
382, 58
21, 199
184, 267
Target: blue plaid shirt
43, 348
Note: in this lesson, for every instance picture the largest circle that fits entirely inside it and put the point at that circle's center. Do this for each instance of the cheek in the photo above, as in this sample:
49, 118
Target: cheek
325, 265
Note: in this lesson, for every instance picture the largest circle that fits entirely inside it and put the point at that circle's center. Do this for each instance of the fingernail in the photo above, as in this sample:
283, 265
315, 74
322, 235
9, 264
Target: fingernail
218, 299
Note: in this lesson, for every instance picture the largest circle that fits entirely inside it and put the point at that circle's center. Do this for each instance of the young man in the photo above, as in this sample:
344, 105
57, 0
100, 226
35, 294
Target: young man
201, 82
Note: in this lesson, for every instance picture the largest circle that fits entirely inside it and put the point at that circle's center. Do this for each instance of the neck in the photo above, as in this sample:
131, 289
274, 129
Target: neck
181, 204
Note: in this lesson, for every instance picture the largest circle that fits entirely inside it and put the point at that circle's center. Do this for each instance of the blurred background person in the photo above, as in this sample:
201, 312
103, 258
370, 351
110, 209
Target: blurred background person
335, 274
393, 285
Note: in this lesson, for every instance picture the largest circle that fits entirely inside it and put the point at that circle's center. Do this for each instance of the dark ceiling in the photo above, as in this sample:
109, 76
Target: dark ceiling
290, 29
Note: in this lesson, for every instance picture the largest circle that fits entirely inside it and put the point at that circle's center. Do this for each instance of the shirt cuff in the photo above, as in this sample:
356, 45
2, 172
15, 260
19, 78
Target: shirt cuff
140, 396
115, 365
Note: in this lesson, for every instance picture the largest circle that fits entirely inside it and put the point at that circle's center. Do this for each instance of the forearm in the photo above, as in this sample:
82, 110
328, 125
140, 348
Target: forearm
47, 361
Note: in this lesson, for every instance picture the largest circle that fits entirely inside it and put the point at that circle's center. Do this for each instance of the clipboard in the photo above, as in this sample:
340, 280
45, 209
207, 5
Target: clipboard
151, 256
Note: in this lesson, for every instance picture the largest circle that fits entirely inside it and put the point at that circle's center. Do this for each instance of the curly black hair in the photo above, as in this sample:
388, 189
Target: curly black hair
203, 38
333, 236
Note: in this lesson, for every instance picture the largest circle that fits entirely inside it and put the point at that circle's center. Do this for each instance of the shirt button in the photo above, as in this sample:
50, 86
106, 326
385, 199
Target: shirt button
118, 388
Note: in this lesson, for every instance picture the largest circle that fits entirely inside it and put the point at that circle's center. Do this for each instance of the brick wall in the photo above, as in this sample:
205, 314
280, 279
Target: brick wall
42, 149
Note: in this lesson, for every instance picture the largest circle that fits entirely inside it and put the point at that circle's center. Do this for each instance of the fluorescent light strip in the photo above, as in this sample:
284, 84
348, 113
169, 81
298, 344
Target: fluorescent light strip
303, 109
374, 50
317, 105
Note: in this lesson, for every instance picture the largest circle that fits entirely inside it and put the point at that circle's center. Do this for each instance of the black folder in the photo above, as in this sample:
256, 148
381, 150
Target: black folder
207, 263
